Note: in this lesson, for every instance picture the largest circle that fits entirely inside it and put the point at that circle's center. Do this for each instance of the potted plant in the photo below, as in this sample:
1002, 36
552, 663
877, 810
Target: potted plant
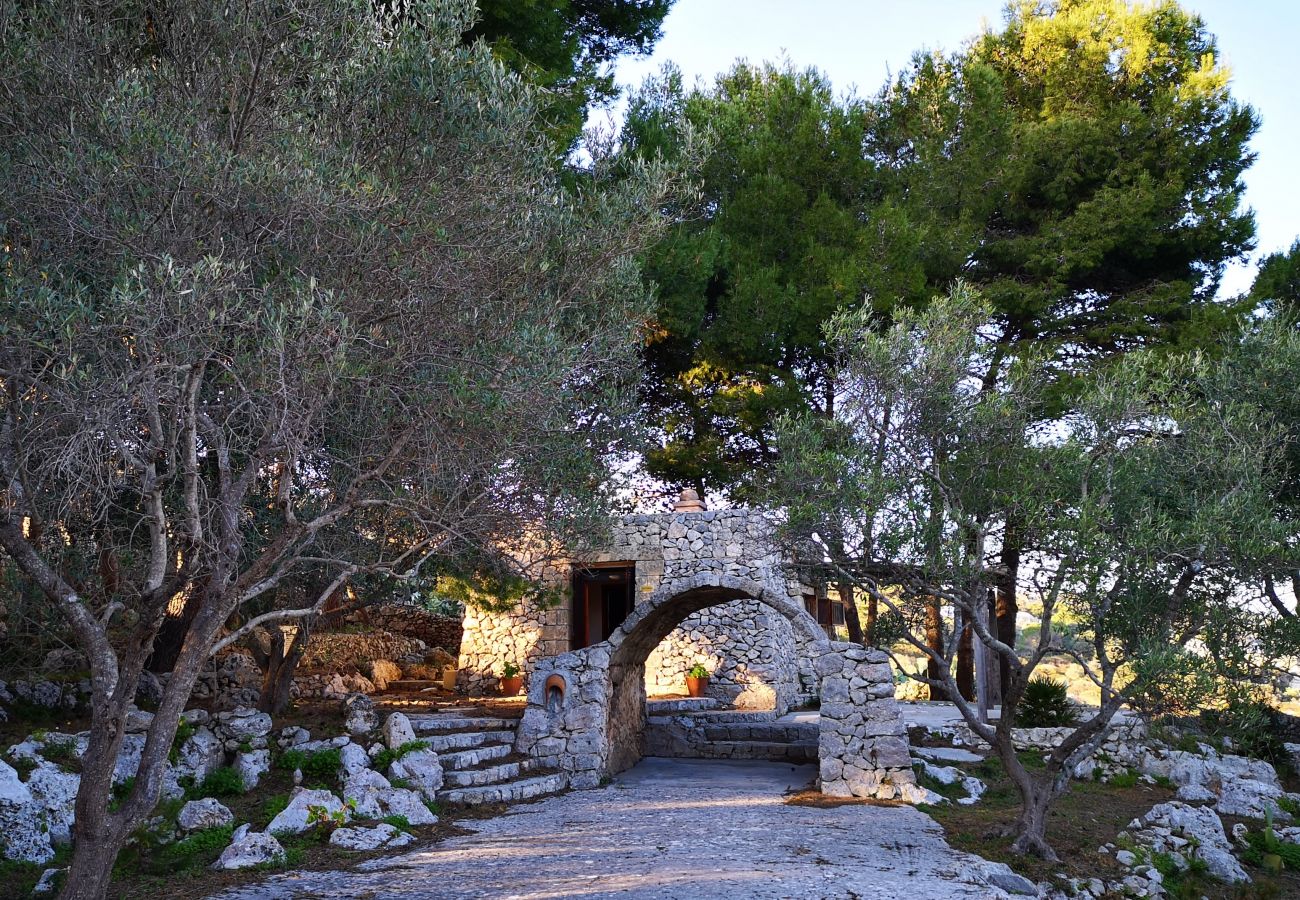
511, 680
697, 680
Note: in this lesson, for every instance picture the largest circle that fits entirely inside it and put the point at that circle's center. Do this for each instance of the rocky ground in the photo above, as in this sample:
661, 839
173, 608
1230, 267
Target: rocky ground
676, 828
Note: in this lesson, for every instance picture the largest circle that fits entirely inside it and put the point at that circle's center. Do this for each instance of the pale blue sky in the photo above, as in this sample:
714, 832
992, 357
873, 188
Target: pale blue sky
858, 42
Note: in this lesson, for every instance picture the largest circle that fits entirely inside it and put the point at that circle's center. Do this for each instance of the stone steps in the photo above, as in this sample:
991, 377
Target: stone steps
783, 751
670, 706
506, 792
465, 740
767, 732
411, 685
467, 759
485, 775
447, 722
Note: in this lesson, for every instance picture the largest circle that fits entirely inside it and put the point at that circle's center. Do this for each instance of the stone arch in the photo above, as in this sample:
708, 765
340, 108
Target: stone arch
652, 621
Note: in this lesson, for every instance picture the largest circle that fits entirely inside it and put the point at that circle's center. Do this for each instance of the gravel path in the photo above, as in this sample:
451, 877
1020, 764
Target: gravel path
671, 829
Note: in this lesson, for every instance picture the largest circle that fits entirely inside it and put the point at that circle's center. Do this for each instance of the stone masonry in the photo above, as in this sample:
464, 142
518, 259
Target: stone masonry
862, 744
755, 658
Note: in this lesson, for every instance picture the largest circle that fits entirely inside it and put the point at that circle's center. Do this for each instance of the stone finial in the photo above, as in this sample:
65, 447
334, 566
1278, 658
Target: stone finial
689, 501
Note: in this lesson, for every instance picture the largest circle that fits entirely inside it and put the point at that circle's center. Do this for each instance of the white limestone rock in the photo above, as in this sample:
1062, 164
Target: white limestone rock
352, 759
422, 769
24, 834
398, 731
1200, 826
55, 791
407, 803
247, 850
251, 766
363, 788
243, 724
201, 754
138, 721
293, 818
382, 835
293, 736
1250, 799
360, 716
206, 813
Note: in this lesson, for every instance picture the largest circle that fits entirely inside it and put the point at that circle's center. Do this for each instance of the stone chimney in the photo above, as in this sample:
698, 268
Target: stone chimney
689, 501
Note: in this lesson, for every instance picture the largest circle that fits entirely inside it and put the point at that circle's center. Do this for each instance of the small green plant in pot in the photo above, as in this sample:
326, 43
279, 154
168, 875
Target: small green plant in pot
511, 680
697, 680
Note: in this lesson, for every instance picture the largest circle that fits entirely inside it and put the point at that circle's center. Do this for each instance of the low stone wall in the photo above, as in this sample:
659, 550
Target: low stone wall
1123, 748
343, 651
415, 622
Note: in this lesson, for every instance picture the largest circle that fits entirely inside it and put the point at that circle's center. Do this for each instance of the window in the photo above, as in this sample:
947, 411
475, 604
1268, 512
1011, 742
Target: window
603, 596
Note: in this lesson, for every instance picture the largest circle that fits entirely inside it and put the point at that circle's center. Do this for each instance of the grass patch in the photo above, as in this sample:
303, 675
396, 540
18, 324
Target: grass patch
401, 823
319, 768
23, 765
222, 782
273, 806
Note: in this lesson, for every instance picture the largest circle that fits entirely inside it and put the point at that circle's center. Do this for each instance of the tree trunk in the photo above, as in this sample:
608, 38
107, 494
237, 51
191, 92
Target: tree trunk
934, 640
1006, 596
1031, 826
851, 612
171, 634
91, 870
278, 664
965, 657
873, 613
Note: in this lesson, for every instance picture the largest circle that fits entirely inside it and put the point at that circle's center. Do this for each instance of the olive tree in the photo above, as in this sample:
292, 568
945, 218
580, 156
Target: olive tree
273, 276
1144, 513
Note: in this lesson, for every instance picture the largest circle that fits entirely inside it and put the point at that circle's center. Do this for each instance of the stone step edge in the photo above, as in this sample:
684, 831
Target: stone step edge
466, 740
453, 759
489, 775
507, 791
442, 724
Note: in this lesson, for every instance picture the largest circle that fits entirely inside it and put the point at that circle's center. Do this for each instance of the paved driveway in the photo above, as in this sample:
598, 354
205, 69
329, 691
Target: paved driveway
671, 829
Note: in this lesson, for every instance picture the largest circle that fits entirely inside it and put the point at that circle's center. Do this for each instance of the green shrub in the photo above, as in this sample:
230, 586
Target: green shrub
184, 731
62, 752
22, 765
1289, 806
386, 757
698, 671
121, 792
198, 849
1045, 704
401, 823
223, 782
1125, 779
319, 767
1253, 727
1264, 842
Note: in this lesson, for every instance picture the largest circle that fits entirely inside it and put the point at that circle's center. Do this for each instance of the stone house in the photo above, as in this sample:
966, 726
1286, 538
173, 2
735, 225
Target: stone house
756, 659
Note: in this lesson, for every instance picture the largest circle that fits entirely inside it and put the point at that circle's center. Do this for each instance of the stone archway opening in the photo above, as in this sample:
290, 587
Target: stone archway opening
627, 666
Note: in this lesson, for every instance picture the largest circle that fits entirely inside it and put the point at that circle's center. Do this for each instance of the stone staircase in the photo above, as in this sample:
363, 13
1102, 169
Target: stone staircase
707, 732
479, 764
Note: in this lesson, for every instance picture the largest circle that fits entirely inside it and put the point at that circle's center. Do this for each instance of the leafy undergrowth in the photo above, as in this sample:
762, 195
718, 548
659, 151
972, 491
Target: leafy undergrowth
1089, 816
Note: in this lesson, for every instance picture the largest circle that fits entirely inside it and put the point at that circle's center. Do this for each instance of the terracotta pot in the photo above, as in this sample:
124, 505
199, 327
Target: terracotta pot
697, 686
449, 678
511, 686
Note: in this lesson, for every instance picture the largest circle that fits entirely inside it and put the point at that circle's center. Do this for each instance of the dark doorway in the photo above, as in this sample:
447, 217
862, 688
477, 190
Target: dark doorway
602, 598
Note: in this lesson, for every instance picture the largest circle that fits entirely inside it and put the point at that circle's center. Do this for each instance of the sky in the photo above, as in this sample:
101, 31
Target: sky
857, 43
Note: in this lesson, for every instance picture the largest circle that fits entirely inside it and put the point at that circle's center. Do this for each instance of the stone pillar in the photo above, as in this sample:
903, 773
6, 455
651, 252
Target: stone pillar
862, 744
565, 724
